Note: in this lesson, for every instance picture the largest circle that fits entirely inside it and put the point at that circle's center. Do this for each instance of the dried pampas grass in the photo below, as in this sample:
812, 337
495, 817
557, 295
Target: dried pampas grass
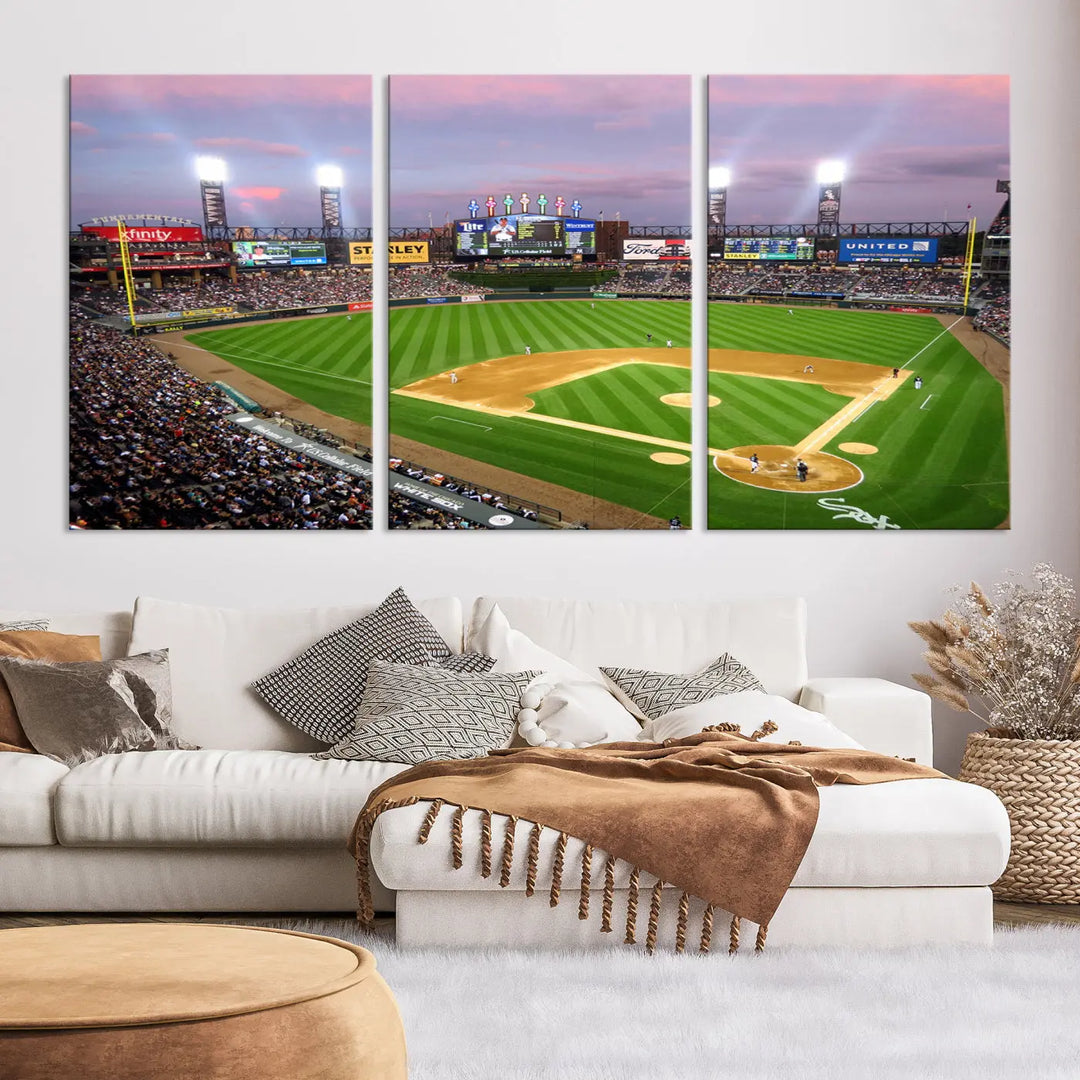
1015, 661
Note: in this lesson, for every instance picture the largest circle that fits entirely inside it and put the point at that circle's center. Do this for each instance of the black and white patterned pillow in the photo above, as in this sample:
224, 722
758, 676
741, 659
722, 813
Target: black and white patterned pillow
24, 624
320, 690
412, 714
652, 694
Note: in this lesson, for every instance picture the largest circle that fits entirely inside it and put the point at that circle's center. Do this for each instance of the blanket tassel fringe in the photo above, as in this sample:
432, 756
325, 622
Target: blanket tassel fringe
365, 912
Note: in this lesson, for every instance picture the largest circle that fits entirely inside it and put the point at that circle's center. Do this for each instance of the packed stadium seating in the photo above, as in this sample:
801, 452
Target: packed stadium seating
417, 282
150, 448
995, 318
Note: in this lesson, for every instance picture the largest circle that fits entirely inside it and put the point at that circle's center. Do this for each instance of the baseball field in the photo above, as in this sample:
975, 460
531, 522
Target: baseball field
593, 408
574, 406
924, 449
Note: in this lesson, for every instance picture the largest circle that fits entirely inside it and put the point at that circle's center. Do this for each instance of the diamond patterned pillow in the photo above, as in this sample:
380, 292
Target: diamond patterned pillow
320, 690
24, 624
412, 714
652, 694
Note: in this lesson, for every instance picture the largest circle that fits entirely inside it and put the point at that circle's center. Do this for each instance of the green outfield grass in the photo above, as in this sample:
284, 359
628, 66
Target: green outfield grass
325, 361
942, 460
427, 340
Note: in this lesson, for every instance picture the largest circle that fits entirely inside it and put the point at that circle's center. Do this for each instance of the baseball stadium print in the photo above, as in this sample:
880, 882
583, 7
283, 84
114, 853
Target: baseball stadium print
220, 302
858, 285
539, 356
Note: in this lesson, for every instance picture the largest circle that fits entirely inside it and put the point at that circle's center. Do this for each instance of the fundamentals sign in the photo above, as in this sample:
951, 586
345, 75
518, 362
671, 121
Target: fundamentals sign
400, 251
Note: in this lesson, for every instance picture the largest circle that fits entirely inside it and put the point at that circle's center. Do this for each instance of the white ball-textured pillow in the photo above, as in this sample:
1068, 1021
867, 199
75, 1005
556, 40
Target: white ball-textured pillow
565, 706
750, 709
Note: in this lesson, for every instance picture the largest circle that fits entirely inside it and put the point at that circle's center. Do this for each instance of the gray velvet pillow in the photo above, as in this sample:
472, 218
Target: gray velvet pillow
77, 710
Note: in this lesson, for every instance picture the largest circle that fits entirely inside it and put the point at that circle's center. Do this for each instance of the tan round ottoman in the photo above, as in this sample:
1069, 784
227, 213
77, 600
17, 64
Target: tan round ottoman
145, 1001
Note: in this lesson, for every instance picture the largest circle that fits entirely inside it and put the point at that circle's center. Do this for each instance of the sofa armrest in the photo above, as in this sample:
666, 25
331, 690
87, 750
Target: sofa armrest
883, 716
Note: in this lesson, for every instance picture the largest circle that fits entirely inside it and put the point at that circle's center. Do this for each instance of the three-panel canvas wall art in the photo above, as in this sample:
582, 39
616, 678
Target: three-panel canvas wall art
545, 256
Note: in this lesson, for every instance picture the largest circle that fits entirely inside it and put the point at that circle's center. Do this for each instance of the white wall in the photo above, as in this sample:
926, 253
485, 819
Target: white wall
862, 587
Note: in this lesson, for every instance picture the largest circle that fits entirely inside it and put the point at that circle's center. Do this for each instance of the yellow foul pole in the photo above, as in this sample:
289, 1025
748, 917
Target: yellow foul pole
968, 261
129, 283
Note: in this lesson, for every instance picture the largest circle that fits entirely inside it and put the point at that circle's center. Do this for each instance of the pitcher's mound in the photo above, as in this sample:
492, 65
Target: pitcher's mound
776, 469
857, 448
685, 401
664, 457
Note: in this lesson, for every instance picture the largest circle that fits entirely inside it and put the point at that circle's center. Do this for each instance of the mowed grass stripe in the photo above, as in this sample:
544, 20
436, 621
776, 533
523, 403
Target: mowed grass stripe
504, 328
324, 361
600, 466
869, 337
626, 398
755, 411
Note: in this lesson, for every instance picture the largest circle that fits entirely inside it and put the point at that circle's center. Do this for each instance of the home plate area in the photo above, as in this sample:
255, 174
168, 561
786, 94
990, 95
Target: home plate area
776, 469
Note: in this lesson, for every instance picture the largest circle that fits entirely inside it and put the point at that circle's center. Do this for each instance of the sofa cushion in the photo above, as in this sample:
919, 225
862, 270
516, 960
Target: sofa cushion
320, 690
903, 833
26, 790
768, 636
113, 628
414, 714
36, 645
216, 652
652, 694
244, 798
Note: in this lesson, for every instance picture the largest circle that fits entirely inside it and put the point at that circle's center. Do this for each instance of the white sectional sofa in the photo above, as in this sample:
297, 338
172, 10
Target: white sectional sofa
252, 823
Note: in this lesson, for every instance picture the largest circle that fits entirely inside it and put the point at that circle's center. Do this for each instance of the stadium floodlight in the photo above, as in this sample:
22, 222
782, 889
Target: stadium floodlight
719, 176
830, 172
211, 170
329, 176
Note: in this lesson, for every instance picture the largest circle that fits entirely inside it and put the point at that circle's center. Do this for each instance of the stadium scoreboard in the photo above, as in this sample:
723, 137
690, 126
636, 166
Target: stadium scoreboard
888, 249
267, 253
769, 248
524, 234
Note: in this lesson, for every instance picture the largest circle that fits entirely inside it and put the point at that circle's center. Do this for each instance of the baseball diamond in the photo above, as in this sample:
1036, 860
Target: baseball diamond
611, 420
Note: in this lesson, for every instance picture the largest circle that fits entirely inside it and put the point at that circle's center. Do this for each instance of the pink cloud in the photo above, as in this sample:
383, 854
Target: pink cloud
124, 92
607, 98
242, 142
152, 136
247, 207
852, 89
79, 128
266, 194
354, 151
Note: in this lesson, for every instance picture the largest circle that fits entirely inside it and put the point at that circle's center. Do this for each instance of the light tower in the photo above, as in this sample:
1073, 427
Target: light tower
830, 177
212, 177
719, 178
329, 178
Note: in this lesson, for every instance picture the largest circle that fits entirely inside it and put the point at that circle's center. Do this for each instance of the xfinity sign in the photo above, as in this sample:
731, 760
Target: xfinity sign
888, 249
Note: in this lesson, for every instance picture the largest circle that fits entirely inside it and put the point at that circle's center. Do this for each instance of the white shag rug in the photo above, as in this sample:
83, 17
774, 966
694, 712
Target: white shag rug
1011, 1012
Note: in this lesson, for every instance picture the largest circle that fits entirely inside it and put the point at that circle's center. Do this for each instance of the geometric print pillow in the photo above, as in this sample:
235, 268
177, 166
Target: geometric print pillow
651, 694
412, 714
24, 624
320, 690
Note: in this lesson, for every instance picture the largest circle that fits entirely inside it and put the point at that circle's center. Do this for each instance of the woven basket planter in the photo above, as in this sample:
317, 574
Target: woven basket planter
1038, 780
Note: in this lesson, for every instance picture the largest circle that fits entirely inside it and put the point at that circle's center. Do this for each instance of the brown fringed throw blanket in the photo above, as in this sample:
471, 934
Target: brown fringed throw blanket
717, 815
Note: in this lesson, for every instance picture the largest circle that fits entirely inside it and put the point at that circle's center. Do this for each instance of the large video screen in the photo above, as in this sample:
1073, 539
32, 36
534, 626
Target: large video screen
266, 253
888, 249
769, 248
524, 234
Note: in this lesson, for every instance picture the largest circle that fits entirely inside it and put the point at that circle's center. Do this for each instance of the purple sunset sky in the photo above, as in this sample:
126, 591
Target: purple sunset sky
916, 147
134, 140
618, 144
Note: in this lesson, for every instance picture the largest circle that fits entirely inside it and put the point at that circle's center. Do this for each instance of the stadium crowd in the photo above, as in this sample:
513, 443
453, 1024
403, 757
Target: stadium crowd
151, 448
995, 318
260, 291
416, 282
